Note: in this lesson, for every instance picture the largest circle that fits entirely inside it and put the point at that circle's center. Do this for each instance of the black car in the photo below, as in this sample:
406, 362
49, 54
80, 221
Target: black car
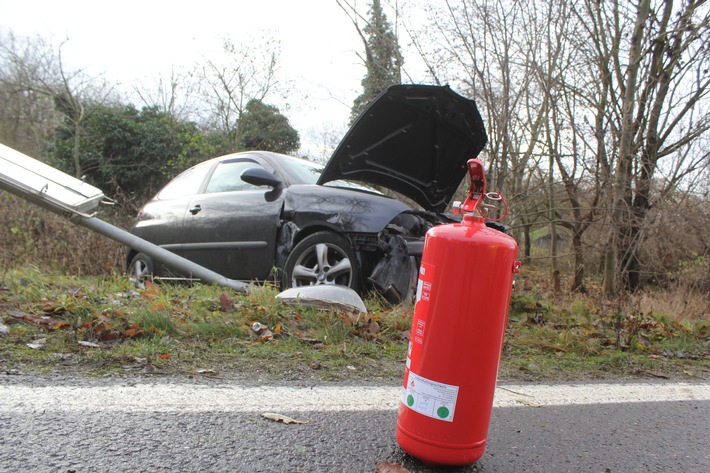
259, 215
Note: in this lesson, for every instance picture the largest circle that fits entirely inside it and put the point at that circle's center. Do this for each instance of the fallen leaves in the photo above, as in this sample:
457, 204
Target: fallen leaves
366, 326
133, 331
151, 291
110, 325
44, 320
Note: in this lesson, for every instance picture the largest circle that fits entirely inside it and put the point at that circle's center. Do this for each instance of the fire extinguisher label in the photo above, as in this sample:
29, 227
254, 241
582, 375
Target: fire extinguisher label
426, 276
430, 398
421, 314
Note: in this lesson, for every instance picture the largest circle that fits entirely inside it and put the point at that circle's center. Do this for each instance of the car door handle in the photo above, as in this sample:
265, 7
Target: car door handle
195, 209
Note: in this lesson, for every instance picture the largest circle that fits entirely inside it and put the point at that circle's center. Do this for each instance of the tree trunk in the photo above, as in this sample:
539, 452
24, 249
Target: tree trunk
622, 183
556, 286
610, 268
78, 169
578, 281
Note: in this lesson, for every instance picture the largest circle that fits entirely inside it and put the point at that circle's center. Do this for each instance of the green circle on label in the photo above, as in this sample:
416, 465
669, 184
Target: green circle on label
410, 400
443, 412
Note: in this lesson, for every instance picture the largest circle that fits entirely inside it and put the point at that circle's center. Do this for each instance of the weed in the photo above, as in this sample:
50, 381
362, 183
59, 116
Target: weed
156, 322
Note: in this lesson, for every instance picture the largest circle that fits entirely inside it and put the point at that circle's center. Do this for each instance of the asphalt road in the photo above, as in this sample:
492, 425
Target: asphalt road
207, 425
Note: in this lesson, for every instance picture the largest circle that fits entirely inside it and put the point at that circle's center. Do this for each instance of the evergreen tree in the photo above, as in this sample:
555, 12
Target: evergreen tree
263, 127
383, 59
129, 150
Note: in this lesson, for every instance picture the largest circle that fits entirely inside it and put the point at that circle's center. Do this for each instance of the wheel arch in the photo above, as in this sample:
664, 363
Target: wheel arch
315, 228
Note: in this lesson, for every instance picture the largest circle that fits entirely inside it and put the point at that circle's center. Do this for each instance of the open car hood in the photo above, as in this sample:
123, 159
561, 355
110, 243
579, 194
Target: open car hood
412, 139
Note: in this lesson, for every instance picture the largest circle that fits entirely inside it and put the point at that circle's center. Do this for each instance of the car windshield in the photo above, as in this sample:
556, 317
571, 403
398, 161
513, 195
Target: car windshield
306, 172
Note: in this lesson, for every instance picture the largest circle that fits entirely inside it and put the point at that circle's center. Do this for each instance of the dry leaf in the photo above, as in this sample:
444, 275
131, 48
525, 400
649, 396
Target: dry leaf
89, 344
50, 322
151, 291
225, 303
17, 315
282, 418
387, 467
373, 327
134, 331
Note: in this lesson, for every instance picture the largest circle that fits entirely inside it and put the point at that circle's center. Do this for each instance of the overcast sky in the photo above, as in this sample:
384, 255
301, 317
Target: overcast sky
135, 41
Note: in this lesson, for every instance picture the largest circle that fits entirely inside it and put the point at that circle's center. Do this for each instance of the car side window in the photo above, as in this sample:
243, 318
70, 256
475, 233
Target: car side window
227, 177
186, 183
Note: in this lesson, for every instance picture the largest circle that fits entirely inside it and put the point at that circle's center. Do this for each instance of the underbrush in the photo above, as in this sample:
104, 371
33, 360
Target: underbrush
106, 325
654, 333
33, 235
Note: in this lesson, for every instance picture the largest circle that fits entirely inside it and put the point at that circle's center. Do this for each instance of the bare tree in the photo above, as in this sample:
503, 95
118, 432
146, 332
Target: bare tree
611, 93
653, 57
27, 117
71, 91
39, 78
325, 138
230, 81
563, 76
173, 94
493, 50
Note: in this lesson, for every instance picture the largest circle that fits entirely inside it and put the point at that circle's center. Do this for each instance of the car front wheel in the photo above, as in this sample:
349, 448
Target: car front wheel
322, 258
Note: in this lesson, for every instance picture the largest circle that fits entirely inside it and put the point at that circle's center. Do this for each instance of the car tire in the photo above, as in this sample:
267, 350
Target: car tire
322, 258
142, 267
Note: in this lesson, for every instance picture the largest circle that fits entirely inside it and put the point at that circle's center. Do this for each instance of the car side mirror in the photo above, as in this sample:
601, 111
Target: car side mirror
261, 177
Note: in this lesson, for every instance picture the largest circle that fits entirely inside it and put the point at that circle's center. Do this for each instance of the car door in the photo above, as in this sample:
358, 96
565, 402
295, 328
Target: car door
161, 221
231, 227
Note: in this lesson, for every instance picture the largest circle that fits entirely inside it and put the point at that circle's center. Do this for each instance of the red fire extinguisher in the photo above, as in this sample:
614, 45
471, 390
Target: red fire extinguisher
463, 293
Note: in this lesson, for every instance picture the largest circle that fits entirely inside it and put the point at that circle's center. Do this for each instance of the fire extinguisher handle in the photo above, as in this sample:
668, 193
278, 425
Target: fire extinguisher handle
477, 186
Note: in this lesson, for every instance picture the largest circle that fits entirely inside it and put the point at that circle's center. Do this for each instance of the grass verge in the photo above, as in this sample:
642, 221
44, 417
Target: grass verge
58, 324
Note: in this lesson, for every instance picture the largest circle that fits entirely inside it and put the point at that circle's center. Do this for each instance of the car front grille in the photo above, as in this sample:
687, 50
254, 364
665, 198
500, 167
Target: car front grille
363, 241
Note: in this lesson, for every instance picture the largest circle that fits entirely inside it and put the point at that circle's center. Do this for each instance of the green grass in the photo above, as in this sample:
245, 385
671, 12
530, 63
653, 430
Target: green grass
106, 326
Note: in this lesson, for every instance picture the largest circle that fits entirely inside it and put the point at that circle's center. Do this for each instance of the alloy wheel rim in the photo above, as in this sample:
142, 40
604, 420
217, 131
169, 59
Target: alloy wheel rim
322, 264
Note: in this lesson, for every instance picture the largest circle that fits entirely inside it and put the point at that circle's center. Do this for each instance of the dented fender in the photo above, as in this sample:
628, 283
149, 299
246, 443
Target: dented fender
343, 210
387, 234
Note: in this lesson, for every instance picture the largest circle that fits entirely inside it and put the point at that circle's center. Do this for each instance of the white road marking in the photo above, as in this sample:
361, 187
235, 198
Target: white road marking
235, 398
